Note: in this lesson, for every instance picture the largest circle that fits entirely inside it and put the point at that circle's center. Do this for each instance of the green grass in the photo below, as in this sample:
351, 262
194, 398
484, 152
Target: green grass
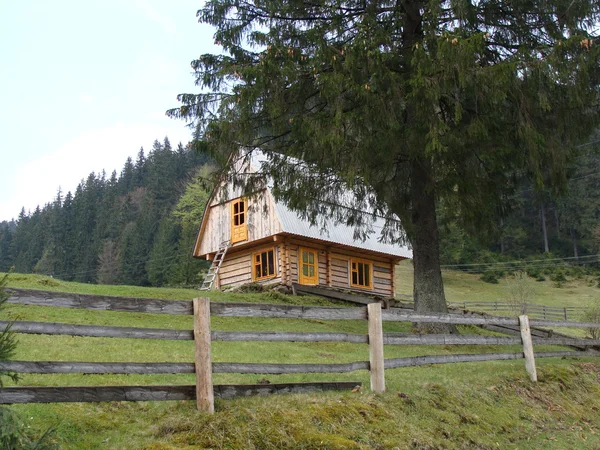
461, 286
470, 405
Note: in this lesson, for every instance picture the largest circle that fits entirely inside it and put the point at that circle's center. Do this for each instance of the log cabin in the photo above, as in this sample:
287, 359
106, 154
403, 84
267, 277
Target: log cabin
260, 240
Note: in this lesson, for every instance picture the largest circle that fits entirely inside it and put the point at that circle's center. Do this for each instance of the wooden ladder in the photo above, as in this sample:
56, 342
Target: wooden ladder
211, 275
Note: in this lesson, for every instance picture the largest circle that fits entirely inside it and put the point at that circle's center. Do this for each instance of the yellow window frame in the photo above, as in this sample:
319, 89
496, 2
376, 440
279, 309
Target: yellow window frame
314, 265
264, 267
239, 220
361, 273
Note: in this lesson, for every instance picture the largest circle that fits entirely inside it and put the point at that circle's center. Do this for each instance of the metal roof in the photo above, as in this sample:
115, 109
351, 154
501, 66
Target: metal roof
328, 230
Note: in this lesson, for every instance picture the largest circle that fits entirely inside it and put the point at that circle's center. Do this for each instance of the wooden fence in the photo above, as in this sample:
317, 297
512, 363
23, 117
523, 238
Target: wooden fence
531, 309
203, 367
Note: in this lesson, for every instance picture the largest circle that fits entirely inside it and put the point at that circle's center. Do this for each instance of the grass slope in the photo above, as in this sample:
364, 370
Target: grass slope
461, 286
473, 405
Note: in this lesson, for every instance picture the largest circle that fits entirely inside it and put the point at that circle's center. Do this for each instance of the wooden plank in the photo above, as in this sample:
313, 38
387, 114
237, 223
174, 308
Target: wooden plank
528, 347
228, 272
376, 348
36, 394
387, 269
389, 338
393, 269
330, 293
328, 267
97, 330
445, 359
383, 282
205, 400
98, 302
382, 275
286, 311
393, 315
231, 391
275, 336
227, 367
94, 394
46, 367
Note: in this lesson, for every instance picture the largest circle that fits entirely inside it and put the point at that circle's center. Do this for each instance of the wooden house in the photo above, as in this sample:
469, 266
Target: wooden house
261, 240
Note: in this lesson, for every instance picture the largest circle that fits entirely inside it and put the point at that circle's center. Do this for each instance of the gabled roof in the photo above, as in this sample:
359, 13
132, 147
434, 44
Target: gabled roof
291, 222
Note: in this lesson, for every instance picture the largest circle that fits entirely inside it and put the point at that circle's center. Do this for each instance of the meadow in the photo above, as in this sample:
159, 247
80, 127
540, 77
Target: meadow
467, 405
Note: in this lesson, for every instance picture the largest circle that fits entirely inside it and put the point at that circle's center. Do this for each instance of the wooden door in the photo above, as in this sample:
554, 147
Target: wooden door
239, 228
308, 266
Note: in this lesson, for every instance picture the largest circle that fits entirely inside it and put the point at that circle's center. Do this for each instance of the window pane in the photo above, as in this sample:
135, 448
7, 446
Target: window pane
311, 258
257, 270
311, 271
361, 275
304, 270
271, 264
242, 206
242, 220
236, 208
304, 257
263, 261
367, 275
354, 278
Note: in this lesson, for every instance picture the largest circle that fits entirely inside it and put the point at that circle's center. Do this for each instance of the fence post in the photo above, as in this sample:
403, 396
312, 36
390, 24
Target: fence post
528, 347
205, 400
376, 347
566, 316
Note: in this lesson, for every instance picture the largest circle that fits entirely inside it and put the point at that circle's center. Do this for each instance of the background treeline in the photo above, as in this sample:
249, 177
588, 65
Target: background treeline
553, 231
137, 227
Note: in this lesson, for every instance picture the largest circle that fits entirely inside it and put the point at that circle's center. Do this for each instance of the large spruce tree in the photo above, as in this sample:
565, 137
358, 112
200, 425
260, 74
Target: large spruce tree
416, 100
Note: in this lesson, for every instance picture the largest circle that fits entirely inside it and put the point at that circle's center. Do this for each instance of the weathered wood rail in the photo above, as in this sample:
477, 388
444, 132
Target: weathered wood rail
202, 309
531, 309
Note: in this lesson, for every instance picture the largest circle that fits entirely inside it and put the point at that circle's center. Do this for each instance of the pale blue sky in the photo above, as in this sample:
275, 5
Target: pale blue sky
84, 84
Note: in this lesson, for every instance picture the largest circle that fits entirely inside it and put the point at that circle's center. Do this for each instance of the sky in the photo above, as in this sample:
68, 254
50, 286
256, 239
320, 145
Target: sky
85, 84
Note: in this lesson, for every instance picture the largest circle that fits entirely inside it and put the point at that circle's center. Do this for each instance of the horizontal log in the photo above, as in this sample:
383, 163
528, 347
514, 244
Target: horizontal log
556, 323
97, 331
240, 336
267, 336
61, 394
47, 367
288, 368
330, 293
13, 395
445, 359
98, 302
395, 315
285, 311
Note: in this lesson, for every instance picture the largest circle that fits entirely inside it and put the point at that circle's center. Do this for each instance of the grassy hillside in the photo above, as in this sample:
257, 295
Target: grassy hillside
461, 286
471, 405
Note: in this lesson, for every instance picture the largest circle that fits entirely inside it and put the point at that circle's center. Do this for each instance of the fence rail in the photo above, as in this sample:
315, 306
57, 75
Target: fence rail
203, 366
531, 309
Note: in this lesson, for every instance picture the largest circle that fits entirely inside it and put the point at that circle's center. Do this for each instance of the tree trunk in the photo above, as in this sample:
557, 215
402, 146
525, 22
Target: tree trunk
557, 222
544, 230
428, 285
501, 236
574, 239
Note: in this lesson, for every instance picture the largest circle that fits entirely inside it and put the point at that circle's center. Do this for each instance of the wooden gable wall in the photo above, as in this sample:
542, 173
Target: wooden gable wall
261, 221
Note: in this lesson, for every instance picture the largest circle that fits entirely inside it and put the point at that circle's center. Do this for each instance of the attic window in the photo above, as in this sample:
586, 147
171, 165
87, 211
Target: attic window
263, 265
360, 274
239, 229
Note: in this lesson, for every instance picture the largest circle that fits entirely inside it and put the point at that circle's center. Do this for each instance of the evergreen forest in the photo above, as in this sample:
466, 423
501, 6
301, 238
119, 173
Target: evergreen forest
138, 227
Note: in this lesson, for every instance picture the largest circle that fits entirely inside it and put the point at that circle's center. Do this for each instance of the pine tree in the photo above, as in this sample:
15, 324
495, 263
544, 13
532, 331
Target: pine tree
407, 103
